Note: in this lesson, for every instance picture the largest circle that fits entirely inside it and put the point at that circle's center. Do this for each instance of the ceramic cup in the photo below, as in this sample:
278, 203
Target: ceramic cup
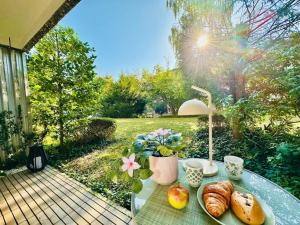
194, 172
234, 166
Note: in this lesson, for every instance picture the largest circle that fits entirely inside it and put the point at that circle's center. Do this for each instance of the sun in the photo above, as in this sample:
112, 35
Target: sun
202, 41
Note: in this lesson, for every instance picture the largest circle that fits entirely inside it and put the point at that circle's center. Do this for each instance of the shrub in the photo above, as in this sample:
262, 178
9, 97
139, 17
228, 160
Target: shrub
13, 140
286, 167
72, 151
272, 155
95, 129
13, 160
124, 98
218, 120
10, 127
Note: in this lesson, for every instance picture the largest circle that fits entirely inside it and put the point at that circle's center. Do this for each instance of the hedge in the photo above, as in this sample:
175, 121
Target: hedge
95, 129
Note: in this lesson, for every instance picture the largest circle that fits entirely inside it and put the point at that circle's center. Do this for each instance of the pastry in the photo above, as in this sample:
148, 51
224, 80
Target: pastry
247, 208
216, 197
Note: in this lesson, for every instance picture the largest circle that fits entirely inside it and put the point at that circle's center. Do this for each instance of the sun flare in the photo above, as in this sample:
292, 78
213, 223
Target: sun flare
202, 41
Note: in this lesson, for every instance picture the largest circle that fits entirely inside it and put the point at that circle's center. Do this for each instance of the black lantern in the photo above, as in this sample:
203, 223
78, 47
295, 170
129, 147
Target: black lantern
37, 158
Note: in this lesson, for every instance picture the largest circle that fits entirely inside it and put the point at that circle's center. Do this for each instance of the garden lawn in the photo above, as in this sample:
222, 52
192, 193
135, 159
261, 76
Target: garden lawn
92, 168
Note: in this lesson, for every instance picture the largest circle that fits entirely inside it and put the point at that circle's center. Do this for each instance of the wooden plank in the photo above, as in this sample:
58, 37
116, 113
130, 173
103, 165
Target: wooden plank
77, 198
98, 215
98, 201
40, 205
35, 202
43, 220
67, 197
78, 184
48, 197
6, 212
69, 183
26, 210
104, 217
59, 223
106, 223
1, 218
55, 197
108, 212
13, 204
69, 220
132, 222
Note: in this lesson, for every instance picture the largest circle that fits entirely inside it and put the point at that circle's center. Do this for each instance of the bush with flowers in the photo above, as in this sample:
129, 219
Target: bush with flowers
134, 166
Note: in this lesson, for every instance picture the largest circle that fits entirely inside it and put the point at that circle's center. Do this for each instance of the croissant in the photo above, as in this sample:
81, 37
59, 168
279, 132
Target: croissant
216, 197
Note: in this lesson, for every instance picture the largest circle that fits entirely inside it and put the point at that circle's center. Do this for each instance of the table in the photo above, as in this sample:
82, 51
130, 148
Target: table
285, 206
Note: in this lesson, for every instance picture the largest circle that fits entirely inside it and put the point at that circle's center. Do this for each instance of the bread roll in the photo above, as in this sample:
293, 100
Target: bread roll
216, 197
247, 208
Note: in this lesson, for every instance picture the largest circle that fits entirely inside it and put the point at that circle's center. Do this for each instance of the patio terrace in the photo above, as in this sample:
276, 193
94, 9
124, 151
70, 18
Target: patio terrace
50, 197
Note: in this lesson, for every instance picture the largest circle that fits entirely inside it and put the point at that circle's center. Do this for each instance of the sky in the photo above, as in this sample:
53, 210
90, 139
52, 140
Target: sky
128, 35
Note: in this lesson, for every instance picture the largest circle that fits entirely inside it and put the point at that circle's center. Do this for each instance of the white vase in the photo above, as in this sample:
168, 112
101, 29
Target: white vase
165, 169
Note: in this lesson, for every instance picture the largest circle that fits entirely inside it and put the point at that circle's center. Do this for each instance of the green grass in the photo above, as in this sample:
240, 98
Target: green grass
127, 129
92, 168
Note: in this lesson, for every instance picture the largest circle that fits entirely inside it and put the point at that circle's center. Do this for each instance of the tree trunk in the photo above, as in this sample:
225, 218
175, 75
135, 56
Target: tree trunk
240, 91
232, 86
60, 119
61, 131
173, 111
237, 89
60, 102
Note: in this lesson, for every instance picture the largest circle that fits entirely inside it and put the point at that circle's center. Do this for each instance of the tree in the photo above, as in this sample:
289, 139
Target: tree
124, 98
62, 81
167, 86
231, 46
274, 82
160, 108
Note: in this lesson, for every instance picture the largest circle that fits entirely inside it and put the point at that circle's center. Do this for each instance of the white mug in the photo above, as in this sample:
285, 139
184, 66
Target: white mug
194, 172
234, 166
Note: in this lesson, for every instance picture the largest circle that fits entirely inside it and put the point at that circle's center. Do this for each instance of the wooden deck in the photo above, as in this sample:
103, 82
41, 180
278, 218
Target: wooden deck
50, 197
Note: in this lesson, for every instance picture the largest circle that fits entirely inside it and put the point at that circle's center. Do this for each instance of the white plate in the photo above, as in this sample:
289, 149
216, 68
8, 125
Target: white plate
228, 218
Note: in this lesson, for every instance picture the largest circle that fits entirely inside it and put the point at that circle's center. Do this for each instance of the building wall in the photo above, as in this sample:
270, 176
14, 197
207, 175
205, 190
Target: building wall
14, 90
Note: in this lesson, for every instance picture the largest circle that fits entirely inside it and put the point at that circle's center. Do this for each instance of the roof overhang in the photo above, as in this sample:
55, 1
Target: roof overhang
24, 23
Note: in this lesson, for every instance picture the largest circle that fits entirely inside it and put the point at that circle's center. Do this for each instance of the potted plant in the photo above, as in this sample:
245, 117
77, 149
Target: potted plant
155, 154
162, 146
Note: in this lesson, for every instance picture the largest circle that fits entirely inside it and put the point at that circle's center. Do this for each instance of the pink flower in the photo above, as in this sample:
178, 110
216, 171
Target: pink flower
162, 131
130, 164
154, 134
